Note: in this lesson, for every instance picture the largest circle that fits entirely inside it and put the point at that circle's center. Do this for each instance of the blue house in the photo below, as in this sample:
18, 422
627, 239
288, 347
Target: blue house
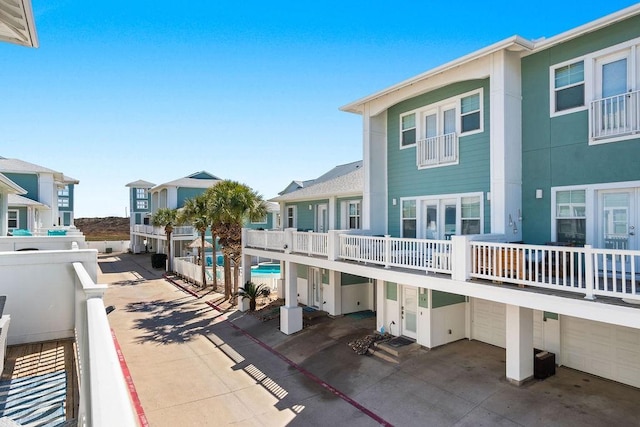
499, 203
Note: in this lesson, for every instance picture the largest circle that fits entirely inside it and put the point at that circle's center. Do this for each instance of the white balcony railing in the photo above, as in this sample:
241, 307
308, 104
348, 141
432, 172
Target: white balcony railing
310, 243
150, 230
584, 270
437, 150
68, 305
615, 116
264, 239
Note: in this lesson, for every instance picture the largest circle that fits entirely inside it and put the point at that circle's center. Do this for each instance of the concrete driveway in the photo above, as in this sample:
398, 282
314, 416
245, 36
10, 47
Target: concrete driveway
193, 366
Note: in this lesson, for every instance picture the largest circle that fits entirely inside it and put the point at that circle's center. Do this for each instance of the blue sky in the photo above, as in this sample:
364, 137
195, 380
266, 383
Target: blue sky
155, 90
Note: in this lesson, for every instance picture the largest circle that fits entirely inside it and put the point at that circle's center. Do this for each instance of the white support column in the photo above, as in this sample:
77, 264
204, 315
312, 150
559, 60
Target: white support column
333, 294
332, 214
519, 339
381, 296
281, 281
290, 313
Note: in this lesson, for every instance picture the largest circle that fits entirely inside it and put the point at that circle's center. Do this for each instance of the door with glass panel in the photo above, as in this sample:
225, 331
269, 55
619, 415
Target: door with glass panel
409, 311
439, 219
617, 224
614, 99
322, 221
315, 287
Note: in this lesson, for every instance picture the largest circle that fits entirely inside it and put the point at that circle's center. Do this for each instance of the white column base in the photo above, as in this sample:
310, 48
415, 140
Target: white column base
281, 288
243, 304
290, 319
519, 344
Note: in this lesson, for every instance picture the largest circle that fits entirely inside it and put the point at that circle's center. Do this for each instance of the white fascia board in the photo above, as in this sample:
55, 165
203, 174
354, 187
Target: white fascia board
587, 28
513, 43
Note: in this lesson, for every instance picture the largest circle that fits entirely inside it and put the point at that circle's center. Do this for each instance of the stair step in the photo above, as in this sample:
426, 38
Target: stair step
383, 355
398, 352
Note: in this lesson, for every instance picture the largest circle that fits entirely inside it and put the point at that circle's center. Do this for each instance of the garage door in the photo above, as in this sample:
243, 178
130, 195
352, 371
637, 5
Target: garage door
488, 322
601, 349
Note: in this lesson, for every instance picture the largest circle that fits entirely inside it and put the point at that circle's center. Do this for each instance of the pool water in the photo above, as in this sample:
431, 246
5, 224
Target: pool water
265, 269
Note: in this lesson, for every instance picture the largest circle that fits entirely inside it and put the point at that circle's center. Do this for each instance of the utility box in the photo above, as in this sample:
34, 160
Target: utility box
544, 364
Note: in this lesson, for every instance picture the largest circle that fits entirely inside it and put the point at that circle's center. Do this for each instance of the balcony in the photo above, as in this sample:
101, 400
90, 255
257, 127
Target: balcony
615, 117
185, 231
437, 151
586, 271
52, 296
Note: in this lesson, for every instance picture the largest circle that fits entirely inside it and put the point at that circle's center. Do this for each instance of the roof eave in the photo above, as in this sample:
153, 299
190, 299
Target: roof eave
515, 41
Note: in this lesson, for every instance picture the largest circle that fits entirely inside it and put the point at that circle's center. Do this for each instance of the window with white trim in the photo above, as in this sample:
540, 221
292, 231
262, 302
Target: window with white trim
571, 218
64, 191
13, 219
470, 215
63, 202
568, 86
354, 214
142, 204
141, 193
408, 130
409, 218
261, 220
291, 217
470, 113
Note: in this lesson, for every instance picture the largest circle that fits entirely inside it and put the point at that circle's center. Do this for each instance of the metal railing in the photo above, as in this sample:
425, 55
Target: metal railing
437, 150
614, 116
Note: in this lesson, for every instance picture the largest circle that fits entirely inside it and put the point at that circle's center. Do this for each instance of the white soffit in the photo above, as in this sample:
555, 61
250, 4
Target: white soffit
17, 24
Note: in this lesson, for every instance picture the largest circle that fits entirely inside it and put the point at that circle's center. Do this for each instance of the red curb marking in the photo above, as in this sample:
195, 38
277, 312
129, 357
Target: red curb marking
290, 362
142, 418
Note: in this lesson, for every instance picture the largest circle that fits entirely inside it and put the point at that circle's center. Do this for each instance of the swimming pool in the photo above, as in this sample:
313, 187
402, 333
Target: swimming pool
266, 268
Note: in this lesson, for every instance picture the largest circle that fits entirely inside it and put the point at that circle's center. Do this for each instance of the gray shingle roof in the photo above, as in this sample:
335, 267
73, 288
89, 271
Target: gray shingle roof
340, 181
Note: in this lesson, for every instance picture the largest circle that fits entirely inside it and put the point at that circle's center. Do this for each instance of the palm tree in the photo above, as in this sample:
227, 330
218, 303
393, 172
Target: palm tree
167, 218
195, 212
231, 203
252, 291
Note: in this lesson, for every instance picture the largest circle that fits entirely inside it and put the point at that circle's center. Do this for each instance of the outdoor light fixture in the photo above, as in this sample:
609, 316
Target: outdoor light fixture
310, 207
539, 193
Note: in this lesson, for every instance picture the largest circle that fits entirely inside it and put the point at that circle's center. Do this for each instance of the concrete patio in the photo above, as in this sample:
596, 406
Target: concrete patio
193, 366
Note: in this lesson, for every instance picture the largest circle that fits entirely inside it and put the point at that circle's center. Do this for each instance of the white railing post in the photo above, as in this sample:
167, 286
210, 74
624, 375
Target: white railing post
460, 261
310, 243
588, 273
333, 245
288, 240
387, 250
266, 239
244, 239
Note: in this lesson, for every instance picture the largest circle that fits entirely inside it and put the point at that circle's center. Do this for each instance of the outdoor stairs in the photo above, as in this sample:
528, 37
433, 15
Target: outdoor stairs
395, 350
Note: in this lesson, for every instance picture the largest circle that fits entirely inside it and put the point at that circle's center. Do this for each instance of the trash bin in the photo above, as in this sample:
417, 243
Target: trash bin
544, 364
159, 260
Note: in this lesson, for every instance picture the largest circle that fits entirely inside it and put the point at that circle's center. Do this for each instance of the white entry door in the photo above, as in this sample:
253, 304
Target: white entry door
618, 222
322, 222
440, 219
315, 287
409, 311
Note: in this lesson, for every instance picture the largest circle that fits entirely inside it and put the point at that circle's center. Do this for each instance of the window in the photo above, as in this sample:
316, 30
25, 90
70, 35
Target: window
262, 220
571, 216
64, 192
354, 215
569, 86
409, 218
470, 113
13, 219
408, 130
142, 204
63, 202
291, 217
141, 193
470, 215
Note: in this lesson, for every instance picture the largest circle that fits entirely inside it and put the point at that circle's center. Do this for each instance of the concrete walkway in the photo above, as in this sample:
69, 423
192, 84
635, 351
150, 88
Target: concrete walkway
195, 366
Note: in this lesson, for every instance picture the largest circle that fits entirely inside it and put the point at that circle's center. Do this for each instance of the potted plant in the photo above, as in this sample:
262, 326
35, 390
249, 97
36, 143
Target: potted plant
251, 291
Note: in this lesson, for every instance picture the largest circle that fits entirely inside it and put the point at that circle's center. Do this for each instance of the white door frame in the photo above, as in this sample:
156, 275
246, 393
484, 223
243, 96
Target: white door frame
322, 218
314, 298
409, 311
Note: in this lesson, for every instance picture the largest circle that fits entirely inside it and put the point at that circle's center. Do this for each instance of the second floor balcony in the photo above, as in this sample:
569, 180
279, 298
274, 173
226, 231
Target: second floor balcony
587, 271
150, 230
615, 116
438, 150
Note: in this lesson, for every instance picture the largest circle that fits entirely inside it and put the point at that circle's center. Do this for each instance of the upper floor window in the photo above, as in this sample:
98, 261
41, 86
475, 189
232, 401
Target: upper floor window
63, 202
470, 215
569, 86
409, 218
13, 219
470, 113
354, 215
571, 217
142, 204
64, 192
291, 217
141, 193
408, 130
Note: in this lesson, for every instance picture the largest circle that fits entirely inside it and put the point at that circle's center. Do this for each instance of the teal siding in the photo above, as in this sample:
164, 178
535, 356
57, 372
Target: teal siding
391, 291
188, 193
256, 225
306, 216
551, 145
27, 181
303, 271
472, 174
350, 279
71, 201
442, 299
134, 201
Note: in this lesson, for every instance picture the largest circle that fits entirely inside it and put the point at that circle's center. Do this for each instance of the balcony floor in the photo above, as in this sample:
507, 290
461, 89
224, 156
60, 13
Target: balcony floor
39, 383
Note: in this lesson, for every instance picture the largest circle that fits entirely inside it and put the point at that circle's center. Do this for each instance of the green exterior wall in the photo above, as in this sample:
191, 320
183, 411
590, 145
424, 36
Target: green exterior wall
442, 299
423, 298
303, 271
350, 279
305, 216
134, 200
471, 174
27, 181
550, 145
188, 193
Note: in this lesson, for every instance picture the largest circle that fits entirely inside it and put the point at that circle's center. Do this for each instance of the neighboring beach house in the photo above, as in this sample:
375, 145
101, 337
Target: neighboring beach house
40, 199
500, 201
53, 304
146, 198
